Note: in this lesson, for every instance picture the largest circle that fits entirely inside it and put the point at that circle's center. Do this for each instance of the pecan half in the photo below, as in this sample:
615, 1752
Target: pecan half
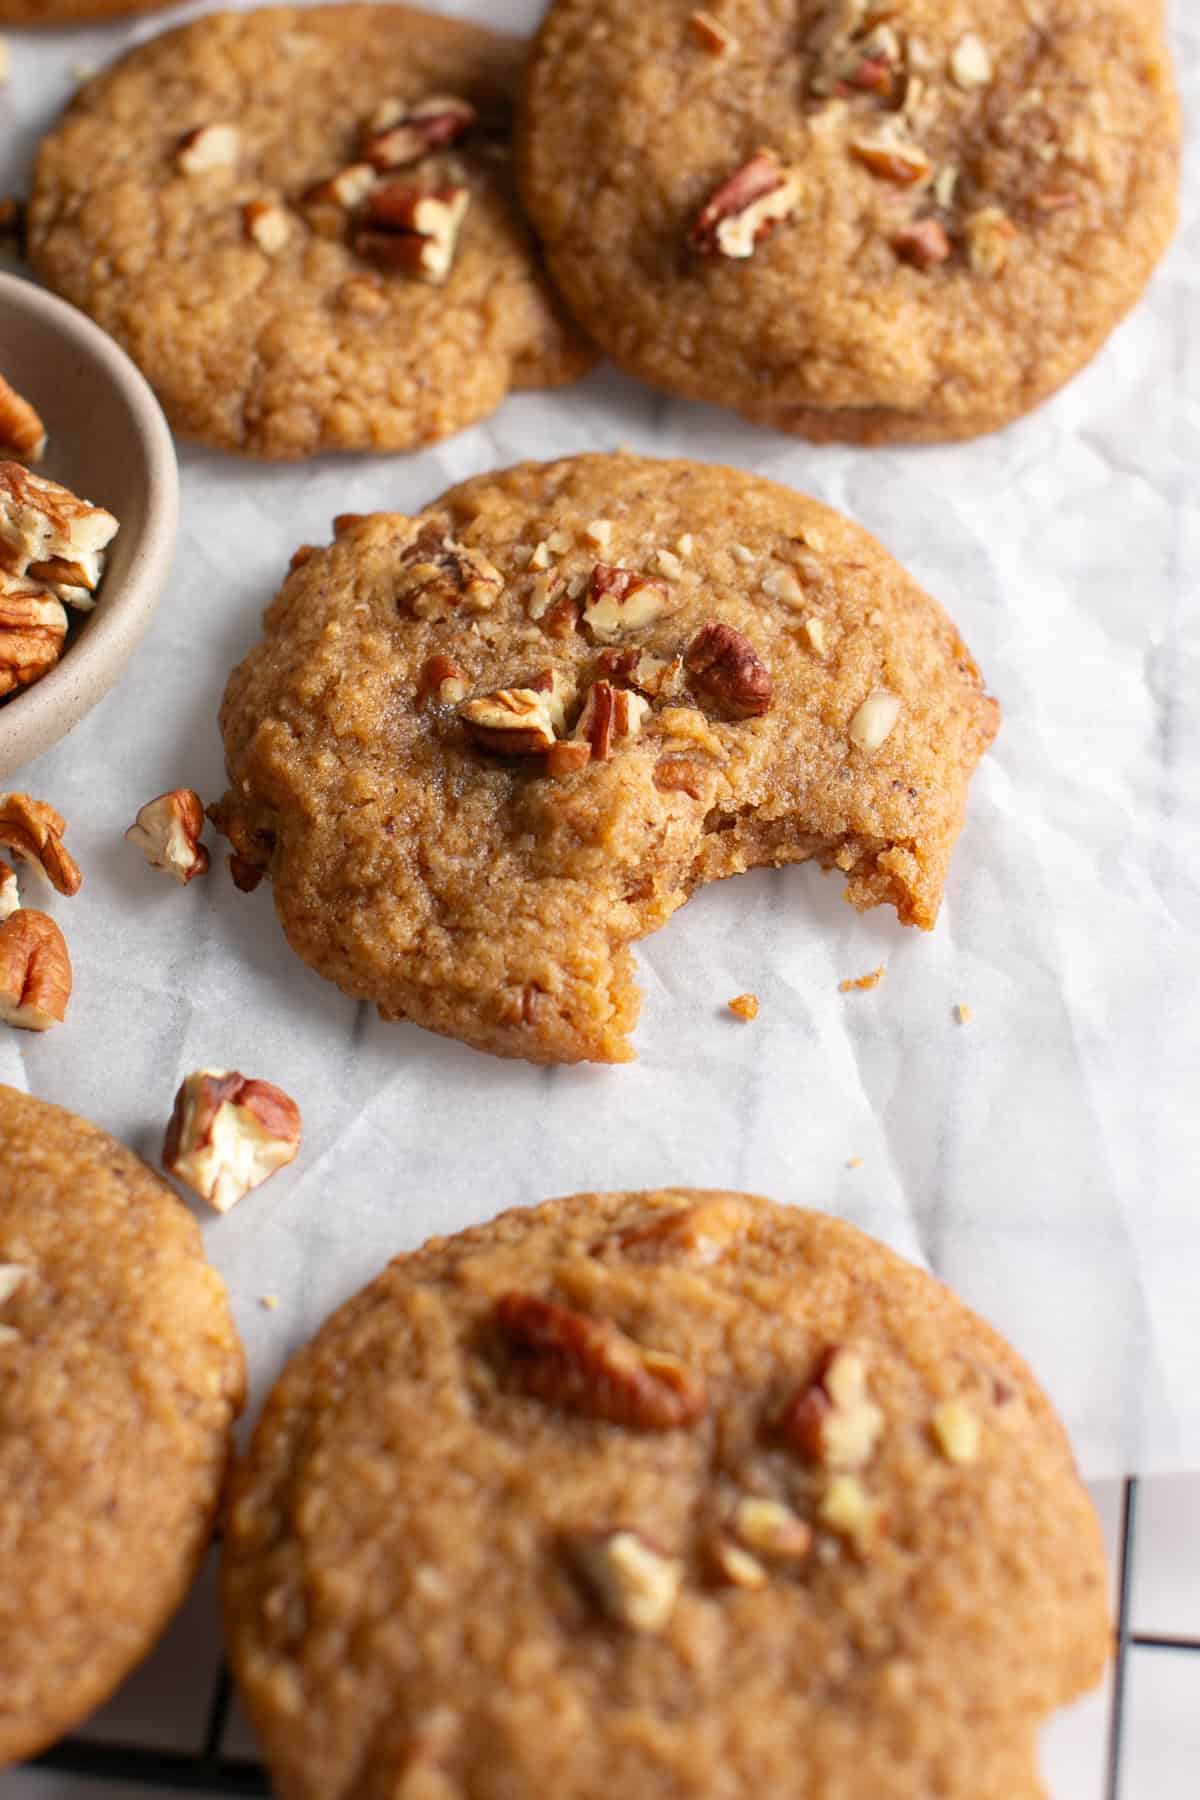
747, 207
22, 433
724, 664
33, 831
518, 721
590, 1366
412, 229
167, 832
227, 1135
400, 133
33, 626
620, 600
35, 971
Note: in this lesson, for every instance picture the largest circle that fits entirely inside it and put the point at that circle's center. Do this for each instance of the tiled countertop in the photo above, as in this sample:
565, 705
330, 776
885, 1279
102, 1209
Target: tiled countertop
1138, 1738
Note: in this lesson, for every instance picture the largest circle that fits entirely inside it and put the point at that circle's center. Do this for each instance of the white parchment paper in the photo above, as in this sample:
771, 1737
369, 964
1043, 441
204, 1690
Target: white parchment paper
1044, 1158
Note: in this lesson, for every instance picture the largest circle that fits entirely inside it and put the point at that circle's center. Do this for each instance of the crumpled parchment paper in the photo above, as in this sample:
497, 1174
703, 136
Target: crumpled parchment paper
1044, 1158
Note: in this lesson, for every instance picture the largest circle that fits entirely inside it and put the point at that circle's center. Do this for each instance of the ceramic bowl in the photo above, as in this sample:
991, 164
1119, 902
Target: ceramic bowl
110, 444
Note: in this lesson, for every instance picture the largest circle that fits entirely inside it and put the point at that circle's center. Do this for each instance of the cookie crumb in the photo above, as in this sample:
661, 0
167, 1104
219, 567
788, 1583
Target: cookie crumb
745, 1006
269, 1301
863, 982
963, 1013
855, 1162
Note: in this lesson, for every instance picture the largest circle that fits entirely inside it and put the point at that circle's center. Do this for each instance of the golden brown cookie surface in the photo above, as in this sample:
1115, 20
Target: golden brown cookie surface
471, 1553
120, 1375
185, 202
724, 674
963, 202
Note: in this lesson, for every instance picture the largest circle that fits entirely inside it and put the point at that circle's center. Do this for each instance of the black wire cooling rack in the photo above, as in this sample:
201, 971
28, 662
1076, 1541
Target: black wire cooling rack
207, 1770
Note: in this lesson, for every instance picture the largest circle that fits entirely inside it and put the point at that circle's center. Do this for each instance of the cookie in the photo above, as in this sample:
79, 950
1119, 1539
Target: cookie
666, 1495
120, 1375
301, 224
70, 12
481, 751
850, 221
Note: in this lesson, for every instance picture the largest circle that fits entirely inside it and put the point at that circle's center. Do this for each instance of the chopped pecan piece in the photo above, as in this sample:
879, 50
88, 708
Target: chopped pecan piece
631, 667
610, 714
35, 971
412, 229
347, 189
619, 600
167, 832
970, 62
711, 35
443, 680
268, 225
990, 234
747, 207
22, 433
724, 665
33, 831
700, 1234
848, 1509
33, 627
518, 721
957, 1431
833, 1420
924, 244
228, 1135
590, 1366
208, 147
875, 719
771, 1530
892, 159
680, 775
436, 581
735, 1566
633, 1582
400, 133
48, 533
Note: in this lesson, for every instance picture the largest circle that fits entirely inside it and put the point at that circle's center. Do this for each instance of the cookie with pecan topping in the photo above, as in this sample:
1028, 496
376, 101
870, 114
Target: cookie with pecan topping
302, 226
120, 1377
481, 751
531, 1515
851, 220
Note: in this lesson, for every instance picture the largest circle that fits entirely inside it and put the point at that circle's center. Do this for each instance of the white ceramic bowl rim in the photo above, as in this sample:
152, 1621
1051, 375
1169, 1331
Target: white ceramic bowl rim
34, 719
